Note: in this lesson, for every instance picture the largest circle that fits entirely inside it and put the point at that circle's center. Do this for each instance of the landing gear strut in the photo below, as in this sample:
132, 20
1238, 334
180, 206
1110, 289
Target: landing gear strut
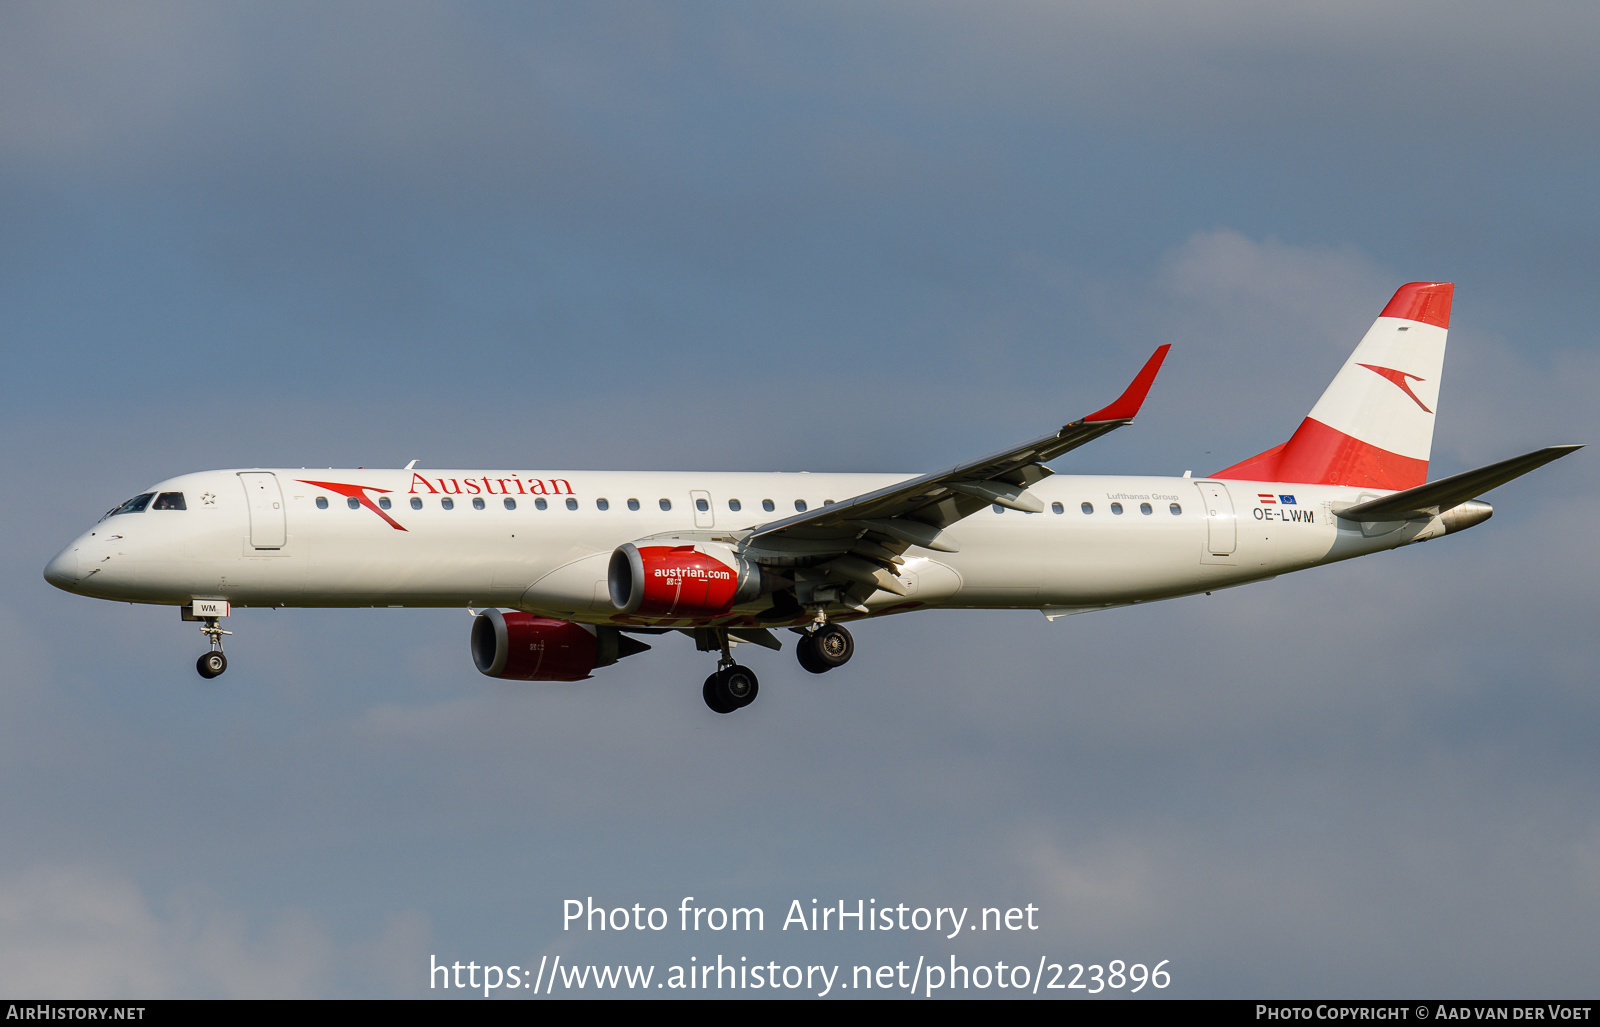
214, 662
733, 686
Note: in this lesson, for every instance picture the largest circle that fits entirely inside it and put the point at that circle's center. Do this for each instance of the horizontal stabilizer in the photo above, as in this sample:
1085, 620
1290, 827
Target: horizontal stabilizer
1438, 496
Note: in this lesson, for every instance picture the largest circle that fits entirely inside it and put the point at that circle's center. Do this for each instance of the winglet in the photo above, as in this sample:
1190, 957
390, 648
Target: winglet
1132, 398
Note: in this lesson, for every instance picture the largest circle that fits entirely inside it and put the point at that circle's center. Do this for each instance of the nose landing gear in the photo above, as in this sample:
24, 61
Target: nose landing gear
215, 662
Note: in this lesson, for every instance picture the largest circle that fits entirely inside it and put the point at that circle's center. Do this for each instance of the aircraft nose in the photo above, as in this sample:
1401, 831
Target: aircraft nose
62, 572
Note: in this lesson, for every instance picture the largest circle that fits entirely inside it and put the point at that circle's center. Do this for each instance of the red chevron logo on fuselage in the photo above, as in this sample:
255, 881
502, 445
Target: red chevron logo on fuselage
358, 493
1399, 378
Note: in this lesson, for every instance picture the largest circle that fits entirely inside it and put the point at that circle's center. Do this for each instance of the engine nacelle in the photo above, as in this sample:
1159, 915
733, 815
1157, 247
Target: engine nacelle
658, 579
527, 648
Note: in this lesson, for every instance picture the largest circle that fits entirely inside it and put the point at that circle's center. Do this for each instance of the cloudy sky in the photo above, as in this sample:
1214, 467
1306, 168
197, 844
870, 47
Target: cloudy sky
818, 236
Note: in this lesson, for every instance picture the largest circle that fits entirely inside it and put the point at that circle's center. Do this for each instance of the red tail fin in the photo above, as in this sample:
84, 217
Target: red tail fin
1373, 427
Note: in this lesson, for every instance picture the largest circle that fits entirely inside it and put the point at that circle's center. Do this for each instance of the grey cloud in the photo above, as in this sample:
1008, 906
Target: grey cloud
83, 932
482, 93
453, 187
1363, 67
265, 93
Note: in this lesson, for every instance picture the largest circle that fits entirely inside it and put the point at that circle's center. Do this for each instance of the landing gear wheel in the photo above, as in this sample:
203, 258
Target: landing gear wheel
730, 689
213, 663
714, 697
806, 650
740, 685
832, 645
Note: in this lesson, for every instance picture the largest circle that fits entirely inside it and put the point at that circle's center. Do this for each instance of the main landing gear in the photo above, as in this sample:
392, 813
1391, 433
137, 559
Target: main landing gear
822, 647
730, 688
215, 662
825, 646
733, 686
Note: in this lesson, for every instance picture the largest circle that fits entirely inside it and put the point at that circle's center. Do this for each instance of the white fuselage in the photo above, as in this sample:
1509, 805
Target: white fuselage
391, 540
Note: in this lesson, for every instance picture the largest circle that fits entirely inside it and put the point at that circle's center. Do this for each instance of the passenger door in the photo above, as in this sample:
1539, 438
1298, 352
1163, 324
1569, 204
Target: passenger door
268, 527
1222, 526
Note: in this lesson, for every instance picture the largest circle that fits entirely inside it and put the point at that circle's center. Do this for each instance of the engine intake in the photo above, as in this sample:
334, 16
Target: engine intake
524, 647
662, 580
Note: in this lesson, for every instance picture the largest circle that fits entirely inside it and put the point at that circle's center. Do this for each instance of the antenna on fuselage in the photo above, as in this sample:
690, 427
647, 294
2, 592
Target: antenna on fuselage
411, 465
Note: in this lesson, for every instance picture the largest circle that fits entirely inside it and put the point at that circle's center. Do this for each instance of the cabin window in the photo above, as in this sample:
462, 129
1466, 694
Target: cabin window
827, 502
1087, 508
1116, 508
322, 502
702, 505
416, 502
572, 504
477, 504
768, 505
353, 503
1177, 511
633, 504
1146, 509
448, 504
540, 504
733, 504
169, 501
666, 504
1057, 508
602, 504
800, 505
383, 502
510, 504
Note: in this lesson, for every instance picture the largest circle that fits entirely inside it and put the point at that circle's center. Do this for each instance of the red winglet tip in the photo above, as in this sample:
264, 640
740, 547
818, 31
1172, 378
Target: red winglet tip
1428, 302
1132, 398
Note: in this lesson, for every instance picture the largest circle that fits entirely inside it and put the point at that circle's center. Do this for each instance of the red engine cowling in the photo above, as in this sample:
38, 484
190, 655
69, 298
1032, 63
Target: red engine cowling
527, 648
663, 580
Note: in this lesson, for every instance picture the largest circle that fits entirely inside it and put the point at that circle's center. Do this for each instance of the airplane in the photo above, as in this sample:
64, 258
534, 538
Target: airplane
565, 570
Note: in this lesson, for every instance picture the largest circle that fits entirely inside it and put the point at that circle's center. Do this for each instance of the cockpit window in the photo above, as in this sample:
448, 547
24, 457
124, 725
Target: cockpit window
134, 505
169, 501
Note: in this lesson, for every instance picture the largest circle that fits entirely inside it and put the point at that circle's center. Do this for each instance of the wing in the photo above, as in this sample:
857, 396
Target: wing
860, 539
